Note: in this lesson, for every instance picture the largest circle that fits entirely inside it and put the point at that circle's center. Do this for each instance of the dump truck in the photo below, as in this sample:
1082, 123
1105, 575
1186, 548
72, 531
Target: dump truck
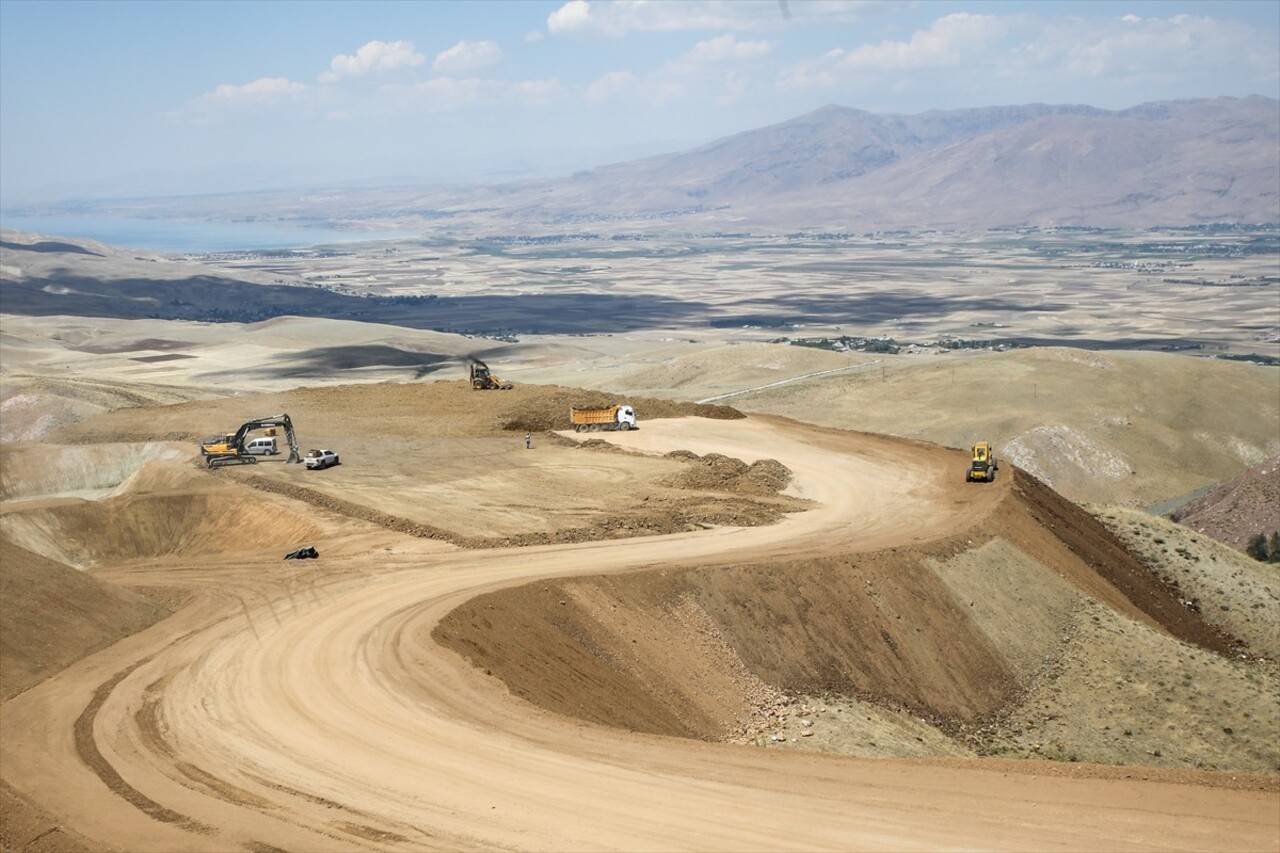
982, 468
231, 448
483, 380
608, 418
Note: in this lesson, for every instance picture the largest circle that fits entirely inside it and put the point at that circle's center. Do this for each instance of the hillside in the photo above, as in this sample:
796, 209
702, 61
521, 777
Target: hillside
1235, 511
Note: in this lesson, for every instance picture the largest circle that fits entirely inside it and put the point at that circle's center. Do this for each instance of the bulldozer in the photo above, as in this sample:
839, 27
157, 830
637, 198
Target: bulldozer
229, 448
982, 468
483, 380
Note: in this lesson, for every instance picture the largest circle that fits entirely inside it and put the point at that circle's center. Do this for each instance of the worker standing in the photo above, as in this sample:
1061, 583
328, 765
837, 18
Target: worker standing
528, 441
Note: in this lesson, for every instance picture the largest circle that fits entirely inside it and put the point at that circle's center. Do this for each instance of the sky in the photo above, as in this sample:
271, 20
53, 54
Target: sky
108, 98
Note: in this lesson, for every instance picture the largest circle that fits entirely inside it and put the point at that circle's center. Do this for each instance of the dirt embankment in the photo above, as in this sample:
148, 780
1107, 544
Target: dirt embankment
958, 638
53, 615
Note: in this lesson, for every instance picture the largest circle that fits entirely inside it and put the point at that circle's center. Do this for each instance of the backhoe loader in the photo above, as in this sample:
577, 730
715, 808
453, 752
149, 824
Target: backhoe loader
483, 380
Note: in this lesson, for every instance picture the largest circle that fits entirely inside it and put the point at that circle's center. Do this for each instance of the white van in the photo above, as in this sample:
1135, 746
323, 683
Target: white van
263, 445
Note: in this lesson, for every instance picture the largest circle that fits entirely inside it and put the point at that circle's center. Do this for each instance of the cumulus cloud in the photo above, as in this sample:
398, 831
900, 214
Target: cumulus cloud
260, 90
467, 56
373, 56
1156, 47
950, 40
726, 48
1105, 60
616, 18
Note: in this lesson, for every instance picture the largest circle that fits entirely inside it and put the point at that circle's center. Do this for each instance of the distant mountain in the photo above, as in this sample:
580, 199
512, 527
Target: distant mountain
1173, 163
1178, 163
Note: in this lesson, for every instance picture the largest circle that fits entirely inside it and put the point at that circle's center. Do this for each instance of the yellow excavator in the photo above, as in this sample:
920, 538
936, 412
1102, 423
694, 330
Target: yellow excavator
229, 449
483, 380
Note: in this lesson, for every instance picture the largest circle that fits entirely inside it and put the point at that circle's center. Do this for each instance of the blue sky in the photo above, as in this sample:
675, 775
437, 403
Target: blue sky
125, 98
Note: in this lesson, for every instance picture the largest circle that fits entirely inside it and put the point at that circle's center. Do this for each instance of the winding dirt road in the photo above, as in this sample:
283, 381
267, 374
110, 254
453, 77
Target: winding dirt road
308, 711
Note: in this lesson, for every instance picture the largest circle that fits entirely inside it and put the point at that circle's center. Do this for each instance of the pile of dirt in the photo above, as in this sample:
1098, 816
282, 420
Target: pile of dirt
53, 615
989, 643
716, 472
1238, 509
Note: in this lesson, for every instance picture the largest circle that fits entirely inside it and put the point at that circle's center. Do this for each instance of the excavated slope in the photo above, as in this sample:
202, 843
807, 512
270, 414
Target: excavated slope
52, 615
933, 629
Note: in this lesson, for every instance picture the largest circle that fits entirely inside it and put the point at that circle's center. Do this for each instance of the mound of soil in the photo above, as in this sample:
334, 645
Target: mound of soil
975, 638
1240, 508
53, 615
716, 472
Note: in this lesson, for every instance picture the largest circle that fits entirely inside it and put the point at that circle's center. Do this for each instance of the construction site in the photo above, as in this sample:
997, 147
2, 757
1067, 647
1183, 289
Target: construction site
714, 630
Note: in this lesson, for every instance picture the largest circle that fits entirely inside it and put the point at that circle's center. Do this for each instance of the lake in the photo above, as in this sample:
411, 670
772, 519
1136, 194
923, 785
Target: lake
167, 235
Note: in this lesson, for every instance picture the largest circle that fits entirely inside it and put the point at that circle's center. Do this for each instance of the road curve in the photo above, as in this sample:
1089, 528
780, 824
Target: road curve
314, 715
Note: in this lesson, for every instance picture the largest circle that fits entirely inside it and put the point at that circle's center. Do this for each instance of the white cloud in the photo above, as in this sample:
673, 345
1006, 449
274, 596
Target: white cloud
611, 86
534, 36
574, 17
616, 18
950, 40
467, 56
1105, 60
446, 94
373, 56
260, 90
1156, 48
725, 48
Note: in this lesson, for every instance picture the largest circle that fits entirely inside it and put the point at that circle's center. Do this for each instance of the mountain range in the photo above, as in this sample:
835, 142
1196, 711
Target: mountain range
1178, 163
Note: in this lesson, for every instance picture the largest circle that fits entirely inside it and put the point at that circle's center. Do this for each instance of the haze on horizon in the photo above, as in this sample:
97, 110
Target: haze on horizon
130, 99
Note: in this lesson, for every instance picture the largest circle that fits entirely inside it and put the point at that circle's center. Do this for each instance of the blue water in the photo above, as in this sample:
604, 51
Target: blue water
165, 235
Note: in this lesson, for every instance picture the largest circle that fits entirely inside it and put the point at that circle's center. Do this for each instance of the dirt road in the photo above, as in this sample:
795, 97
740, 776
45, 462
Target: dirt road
310, 711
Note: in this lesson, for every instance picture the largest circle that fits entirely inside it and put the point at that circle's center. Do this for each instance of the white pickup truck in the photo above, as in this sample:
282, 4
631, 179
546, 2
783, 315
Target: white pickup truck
320, 459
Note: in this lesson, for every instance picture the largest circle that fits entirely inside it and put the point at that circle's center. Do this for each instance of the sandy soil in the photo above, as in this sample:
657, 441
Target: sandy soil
320, 704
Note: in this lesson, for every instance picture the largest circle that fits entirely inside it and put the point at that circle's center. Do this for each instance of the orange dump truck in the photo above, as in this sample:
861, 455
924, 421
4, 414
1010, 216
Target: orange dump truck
595, 420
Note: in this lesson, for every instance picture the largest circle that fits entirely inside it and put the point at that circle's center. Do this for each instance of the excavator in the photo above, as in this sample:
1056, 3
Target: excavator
230, 448
483, 380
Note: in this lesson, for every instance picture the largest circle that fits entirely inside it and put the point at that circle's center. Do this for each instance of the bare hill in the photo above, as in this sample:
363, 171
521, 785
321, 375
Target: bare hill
1169, 163
1238, 509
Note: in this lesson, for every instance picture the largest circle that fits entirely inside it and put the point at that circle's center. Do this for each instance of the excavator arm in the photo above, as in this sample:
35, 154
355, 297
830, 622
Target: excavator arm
283, 421
235, 450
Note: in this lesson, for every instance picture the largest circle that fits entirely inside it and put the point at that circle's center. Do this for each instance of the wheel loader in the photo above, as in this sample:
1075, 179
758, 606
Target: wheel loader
982, 468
